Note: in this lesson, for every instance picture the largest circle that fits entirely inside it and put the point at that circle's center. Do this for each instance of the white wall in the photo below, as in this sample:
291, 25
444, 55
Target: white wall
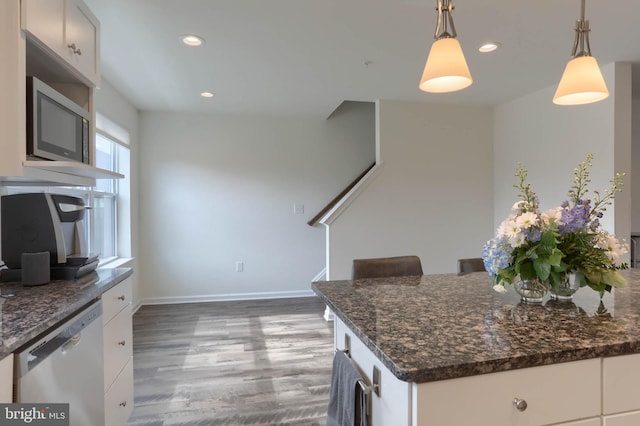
552, 140
220, 189
111, 104
635, 160
433, 196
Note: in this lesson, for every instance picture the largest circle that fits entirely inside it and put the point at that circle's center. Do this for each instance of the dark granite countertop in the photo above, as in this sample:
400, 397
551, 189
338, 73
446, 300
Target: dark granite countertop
438, 327
33, 310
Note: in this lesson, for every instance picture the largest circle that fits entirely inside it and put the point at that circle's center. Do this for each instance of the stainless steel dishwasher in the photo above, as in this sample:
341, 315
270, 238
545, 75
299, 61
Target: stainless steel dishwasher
66, 366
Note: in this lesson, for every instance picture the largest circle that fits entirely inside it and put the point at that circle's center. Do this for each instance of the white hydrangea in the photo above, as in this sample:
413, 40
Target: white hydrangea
613, 248
554, 215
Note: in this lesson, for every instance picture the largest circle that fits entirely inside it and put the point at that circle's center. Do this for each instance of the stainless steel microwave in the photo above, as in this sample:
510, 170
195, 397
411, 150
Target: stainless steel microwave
57, 127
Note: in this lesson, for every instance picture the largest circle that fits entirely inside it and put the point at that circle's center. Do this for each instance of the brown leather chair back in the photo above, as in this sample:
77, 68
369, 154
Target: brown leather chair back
386, 267
475, 264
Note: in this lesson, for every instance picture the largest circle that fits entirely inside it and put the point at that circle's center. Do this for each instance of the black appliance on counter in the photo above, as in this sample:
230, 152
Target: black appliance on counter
39, 222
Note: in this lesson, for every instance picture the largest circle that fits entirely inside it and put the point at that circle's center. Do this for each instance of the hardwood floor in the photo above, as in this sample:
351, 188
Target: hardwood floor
264, 362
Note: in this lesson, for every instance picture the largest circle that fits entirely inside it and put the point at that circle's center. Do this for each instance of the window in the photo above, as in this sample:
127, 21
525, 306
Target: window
107, 223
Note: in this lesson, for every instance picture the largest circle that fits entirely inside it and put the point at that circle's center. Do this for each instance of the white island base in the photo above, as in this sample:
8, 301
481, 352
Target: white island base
593, 392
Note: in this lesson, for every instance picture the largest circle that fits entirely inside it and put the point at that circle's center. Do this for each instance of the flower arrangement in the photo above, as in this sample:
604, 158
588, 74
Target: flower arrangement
566, 239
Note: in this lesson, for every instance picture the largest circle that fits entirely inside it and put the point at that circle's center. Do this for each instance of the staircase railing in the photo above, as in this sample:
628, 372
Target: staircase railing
314, 220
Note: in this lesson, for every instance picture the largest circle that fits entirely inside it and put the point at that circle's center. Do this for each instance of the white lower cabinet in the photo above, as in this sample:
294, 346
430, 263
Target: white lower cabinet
592, 392
588, 422
547, 395
6, 379
392, 407
118, 354
118, 401
626, 419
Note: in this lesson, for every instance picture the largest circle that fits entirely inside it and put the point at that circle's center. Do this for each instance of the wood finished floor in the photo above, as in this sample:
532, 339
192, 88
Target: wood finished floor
262, 362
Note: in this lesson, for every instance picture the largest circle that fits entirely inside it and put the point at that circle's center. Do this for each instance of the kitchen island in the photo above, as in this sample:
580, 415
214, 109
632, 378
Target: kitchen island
453, 351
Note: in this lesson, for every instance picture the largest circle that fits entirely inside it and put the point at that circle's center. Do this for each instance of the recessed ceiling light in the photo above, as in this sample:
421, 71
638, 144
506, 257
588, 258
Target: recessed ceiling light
191, 40
489, 47
207, 94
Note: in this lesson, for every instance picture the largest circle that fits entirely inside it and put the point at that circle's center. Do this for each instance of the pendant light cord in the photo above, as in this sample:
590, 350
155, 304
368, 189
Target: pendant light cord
582, 36
445, 20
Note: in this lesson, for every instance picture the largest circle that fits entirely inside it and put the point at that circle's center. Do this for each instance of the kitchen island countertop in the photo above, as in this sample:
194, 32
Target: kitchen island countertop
31, 311
439, 327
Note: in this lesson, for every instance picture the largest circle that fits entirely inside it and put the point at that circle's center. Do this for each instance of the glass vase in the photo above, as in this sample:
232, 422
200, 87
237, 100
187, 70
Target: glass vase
531, 290
567, 287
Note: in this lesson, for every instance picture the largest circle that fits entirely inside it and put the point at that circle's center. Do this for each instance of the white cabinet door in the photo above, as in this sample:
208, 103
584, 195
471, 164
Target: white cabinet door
620, 378
6, 379
392, 406
82, 40
69, 30
627, 419
44, 21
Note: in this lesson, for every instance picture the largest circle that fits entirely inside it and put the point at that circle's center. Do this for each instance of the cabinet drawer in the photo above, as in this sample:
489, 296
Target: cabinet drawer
553, 393
620, 378
115, 299
118, 401
118, 345
627, 419
589, 422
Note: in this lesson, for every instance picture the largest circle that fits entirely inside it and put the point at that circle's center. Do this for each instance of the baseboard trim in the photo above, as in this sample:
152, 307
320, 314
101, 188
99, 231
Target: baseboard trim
226, 297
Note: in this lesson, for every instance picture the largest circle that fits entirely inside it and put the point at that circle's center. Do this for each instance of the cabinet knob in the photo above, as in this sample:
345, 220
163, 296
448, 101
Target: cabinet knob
520, 404
121, 297
75, 49
122, 343
123, 404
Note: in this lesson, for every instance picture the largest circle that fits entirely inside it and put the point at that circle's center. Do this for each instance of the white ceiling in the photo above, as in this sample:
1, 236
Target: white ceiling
307, 56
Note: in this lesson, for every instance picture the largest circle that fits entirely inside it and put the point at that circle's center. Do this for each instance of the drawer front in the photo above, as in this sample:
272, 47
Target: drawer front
553, 394
620, 379
118, 345
589, 422
627, 419
118, 401
116, 299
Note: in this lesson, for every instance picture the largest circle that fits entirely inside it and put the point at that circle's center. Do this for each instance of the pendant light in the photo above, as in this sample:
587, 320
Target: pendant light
582, 81
446, 69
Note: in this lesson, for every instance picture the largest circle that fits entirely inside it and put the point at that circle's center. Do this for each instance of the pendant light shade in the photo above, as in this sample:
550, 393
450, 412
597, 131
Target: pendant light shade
446, 69
582, 81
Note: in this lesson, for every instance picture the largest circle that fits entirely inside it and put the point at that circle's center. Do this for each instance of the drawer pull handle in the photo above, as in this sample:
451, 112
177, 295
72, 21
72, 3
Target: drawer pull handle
520, 404
121, 297
122, 343
123, 404
74, 49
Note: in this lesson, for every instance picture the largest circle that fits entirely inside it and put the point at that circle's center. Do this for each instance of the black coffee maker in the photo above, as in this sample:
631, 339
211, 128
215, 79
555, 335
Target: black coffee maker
40, 222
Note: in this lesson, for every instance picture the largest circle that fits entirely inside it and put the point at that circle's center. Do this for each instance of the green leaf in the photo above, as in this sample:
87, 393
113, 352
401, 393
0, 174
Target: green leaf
613, 279
542, 268
527, 270
556, 257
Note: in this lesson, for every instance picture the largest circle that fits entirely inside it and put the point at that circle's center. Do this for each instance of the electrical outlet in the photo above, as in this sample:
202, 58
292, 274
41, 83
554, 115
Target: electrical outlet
239, 266
298, 209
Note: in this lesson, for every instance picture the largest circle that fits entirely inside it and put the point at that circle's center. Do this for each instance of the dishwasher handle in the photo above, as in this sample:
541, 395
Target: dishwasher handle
71, 343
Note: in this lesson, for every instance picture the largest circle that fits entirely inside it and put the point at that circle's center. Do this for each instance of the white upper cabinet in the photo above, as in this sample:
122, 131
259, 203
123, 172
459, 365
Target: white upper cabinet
67, 29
